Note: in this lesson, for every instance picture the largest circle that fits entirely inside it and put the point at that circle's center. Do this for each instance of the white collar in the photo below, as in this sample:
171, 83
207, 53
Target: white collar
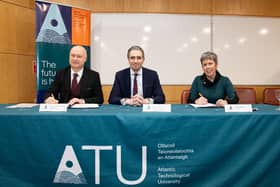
138, 73
80, 73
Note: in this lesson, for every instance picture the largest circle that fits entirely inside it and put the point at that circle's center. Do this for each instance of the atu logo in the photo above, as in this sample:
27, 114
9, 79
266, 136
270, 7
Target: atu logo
69, 170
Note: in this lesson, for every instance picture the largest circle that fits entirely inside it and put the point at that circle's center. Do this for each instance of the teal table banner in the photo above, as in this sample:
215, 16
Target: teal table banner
116, 146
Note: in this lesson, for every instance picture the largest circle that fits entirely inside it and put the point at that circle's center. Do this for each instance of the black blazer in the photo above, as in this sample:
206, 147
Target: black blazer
90, 86
122, 87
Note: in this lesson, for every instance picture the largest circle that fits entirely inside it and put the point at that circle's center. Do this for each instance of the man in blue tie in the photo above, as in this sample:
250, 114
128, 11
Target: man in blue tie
136, 85
75, 84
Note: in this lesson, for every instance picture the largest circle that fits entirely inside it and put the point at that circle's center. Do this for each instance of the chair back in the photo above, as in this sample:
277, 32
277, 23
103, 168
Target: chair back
246, 95
184, 96
269, 96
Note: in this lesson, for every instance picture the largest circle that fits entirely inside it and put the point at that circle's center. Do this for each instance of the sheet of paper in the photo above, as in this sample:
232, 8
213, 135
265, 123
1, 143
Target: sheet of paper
156, 108
238, 108
53, 107
23, 105
87, 105
209, 105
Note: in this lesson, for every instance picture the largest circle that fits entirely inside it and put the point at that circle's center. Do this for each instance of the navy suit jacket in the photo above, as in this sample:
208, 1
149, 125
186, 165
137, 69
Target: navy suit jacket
122, 86
90, 86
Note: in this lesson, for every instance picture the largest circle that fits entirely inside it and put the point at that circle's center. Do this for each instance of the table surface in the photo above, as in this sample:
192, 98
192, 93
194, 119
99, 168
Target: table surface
182, 109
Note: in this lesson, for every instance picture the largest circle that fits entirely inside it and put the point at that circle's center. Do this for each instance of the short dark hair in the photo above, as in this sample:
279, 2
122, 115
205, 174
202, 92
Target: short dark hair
209, 55
137, 48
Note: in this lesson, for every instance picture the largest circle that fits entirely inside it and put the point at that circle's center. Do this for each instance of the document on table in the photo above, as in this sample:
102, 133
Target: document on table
23, 105
209, 105
86, 105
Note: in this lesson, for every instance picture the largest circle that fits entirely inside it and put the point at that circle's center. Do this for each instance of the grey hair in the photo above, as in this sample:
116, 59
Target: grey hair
208, 55
137, 48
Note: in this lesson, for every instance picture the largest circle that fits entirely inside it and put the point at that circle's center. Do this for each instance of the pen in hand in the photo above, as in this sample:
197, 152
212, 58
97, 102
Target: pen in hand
51, 100
201, 100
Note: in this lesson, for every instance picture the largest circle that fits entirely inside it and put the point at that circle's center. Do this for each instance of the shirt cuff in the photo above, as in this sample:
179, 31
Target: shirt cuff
151, 101
83, 101
123, 101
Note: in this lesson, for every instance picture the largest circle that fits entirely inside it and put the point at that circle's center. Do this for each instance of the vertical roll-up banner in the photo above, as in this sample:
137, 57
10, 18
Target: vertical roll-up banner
58, 28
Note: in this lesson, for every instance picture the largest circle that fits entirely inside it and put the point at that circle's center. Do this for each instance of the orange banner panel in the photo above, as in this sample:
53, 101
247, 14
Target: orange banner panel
80, 27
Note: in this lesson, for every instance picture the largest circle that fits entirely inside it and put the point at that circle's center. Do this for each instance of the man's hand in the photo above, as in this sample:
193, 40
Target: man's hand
51, 100
76, 101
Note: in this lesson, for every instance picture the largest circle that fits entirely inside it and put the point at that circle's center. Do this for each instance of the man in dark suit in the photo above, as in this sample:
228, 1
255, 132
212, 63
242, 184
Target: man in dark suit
75, 84
136, 85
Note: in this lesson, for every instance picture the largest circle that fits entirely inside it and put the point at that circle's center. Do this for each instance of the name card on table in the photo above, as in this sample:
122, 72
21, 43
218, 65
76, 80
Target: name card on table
156, 107
238, 108
53, 107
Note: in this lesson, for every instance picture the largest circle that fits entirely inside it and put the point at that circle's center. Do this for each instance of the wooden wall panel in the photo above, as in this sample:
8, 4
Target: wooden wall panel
189, 7
8, 79
26, 79
75, 3
146, 6
23, 3
272, 8
17, 51
7, 34
107, 5
17, 78
152, 6
25, 31
266, 8
18, 34
224, 7
173, 93
106, 92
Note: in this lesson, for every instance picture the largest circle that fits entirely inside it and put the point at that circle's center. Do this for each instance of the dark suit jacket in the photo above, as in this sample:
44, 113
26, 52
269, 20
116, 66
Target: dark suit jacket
90, 86
122, 87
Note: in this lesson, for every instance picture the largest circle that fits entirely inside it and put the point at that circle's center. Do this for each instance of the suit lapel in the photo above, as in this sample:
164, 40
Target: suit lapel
68, 79
67, 83
128, 82
145, 81
82, 82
